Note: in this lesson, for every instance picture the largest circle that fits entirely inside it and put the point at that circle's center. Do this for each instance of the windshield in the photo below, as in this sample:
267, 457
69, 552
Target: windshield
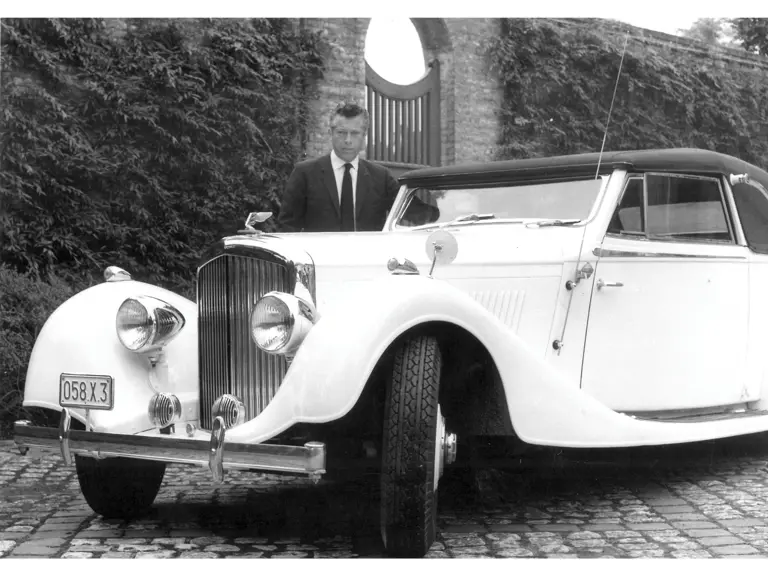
570, 200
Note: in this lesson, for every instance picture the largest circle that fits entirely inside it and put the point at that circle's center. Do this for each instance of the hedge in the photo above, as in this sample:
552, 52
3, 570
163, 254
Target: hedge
138, 143
558, 79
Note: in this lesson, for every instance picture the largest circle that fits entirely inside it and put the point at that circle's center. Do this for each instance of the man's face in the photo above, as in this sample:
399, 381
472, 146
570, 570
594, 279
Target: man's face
347, 135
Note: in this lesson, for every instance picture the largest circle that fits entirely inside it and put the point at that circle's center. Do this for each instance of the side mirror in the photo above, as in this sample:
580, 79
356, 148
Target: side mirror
441, 247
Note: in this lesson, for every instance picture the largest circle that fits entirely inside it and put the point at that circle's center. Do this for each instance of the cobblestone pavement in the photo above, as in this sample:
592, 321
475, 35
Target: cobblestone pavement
699, 501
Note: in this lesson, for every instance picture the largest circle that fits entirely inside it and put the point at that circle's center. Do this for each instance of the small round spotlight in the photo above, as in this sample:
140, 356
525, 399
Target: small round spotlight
231, 410
164, 409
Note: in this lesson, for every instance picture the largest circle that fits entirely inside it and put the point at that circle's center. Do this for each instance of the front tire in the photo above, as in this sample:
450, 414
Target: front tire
409, 474
119, 487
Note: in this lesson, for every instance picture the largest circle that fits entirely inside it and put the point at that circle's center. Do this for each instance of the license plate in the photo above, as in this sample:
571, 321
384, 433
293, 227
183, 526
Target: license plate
86, 391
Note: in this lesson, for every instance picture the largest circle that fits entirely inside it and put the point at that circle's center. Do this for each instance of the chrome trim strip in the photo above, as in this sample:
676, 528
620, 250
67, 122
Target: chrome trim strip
727, 412
63, 436
741, 239
609, 253
308, 459
270, 248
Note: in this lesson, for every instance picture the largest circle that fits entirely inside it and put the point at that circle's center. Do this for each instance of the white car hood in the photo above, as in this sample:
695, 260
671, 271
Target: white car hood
513, 270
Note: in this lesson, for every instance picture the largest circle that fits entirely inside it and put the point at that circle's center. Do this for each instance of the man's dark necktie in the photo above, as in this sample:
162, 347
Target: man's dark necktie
347, 203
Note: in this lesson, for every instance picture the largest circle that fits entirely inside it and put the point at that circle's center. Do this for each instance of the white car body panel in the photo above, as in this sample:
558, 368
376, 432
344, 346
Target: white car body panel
522, 294
684, 332
656, 342
545, 407
66, 343
757, 341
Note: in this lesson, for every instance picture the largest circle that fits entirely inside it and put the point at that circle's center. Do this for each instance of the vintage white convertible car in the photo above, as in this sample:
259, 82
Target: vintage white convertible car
577, 301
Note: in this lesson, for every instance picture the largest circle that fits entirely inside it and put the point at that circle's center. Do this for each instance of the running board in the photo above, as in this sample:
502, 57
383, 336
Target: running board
698, 415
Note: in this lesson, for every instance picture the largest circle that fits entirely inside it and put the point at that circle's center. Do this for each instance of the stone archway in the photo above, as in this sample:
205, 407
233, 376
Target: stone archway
467, 107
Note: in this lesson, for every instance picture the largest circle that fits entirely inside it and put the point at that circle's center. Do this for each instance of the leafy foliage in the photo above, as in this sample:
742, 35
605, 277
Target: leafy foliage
140, 145
25, 304
559, 78
752, 34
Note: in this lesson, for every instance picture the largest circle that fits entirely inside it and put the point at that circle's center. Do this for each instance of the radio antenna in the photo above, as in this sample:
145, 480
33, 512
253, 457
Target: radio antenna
615, 88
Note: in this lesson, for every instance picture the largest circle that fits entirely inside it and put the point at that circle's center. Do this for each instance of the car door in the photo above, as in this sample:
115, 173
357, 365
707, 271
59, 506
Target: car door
751, 202
668, 320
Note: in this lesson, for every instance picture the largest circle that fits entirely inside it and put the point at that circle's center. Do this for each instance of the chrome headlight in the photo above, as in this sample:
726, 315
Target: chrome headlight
145, 323
280, 322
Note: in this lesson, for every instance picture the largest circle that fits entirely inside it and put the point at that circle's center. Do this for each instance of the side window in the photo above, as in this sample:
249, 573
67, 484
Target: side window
688, 209
629, 217
753, 213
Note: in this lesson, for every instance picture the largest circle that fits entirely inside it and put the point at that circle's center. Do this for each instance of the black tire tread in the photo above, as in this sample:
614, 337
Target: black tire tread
119, 487
409, 501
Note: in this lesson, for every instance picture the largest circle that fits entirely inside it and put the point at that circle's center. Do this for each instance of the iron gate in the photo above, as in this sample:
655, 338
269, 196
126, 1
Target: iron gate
404, 120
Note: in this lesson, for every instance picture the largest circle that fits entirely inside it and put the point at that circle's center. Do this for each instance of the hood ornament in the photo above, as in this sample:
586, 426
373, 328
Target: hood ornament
254, 218
441, 247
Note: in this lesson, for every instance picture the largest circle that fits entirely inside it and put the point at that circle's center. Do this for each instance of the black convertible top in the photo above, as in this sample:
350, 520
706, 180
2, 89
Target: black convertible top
689, 160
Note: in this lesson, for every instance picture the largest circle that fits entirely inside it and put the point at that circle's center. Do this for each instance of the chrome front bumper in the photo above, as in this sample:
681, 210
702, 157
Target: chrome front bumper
216, 452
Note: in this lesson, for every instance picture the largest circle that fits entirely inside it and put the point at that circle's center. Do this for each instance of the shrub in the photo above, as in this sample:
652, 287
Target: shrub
558, 80
25, 304
138, 145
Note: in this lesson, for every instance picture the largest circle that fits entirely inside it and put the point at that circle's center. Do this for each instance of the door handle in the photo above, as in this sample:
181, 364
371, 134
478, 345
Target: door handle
602, 284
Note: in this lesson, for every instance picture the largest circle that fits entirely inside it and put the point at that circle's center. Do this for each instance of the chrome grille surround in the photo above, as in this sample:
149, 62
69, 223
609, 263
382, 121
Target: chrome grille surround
235, 273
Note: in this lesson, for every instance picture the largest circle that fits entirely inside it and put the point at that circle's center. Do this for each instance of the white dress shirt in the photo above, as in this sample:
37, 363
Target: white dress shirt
338, 172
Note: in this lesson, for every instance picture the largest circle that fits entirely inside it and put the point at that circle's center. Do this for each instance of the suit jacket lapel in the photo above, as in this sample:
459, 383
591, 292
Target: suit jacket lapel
363, 187
330, 182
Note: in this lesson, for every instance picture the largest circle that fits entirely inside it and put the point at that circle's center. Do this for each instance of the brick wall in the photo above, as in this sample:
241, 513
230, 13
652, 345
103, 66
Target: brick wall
473, 125
343, 78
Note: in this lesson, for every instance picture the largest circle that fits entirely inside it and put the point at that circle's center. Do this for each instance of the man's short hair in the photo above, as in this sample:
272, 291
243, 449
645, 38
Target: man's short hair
350, 110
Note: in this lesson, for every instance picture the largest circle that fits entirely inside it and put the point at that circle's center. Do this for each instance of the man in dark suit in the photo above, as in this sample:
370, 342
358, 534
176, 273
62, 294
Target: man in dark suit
339, 191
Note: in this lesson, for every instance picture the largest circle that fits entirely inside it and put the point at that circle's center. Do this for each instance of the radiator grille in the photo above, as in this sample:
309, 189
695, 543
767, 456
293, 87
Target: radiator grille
230, 363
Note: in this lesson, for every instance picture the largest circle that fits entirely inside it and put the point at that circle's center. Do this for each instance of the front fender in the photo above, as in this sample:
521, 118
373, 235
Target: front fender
80, 337
336, 359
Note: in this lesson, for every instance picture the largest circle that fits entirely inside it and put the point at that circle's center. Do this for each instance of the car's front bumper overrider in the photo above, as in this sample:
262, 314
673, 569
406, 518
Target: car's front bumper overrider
308, 459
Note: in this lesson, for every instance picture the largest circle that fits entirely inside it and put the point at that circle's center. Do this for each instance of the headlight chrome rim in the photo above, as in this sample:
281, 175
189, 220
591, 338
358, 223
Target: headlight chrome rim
299, 317
272, 322
157, 324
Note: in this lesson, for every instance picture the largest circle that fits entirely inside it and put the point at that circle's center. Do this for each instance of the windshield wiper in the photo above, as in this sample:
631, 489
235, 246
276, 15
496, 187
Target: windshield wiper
471, 218
458, 220
544, 223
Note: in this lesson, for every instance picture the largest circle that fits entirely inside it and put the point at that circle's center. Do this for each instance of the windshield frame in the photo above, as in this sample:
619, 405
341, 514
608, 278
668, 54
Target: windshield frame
407, 191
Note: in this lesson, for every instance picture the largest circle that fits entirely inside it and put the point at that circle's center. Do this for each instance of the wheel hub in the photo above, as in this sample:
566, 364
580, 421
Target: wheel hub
445, 446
